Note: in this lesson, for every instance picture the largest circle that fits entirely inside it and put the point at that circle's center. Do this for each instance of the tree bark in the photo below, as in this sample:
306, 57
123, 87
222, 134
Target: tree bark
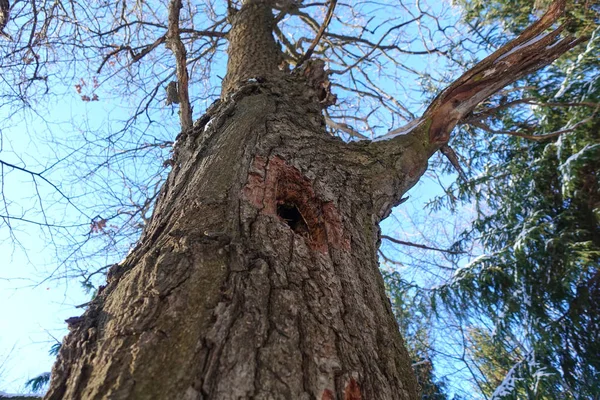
257, 276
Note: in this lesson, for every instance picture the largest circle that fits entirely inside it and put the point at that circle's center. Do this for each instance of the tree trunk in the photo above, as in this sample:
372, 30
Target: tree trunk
258, 276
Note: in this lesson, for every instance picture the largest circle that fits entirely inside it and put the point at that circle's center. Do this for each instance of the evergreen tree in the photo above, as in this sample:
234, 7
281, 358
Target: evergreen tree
536, 187
414, 320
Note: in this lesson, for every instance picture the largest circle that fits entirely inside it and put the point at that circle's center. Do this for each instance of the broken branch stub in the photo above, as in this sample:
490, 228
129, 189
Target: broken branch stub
533, 49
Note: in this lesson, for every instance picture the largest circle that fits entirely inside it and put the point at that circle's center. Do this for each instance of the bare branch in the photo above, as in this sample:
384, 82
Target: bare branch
451, 155
378, 45
343, 127
420, 246
311, 48
174, 43
538, 138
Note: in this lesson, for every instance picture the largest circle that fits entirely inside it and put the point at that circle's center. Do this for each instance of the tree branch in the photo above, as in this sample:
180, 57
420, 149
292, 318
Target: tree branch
420, 246
409, 148
320, 33
343, 127
532, 50
175, 44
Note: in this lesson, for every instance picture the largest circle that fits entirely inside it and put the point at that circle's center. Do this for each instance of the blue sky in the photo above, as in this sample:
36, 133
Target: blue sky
33, 307
39, 282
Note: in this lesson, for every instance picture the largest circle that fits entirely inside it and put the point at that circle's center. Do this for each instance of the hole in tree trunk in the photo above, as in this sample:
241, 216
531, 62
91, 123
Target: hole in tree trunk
285, 192
292, 216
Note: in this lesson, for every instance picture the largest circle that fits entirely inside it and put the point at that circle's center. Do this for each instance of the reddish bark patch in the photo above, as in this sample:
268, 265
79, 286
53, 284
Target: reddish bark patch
352, 391
277, 188
327, 395
334, 227
256, 185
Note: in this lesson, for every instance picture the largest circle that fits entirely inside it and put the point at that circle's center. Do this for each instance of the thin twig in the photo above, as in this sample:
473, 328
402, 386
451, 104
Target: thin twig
546, 136
420, 246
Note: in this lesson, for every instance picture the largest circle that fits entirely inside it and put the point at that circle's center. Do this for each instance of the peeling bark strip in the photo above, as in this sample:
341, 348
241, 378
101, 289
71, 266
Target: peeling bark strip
532, 50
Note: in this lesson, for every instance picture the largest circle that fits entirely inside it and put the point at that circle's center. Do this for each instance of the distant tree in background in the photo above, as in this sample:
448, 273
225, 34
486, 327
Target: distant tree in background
528, 305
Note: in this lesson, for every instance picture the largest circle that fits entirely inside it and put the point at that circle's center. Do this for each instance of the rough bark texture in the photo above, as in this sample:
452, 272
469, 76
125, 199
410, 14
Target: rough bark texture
253, 53
257, 276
